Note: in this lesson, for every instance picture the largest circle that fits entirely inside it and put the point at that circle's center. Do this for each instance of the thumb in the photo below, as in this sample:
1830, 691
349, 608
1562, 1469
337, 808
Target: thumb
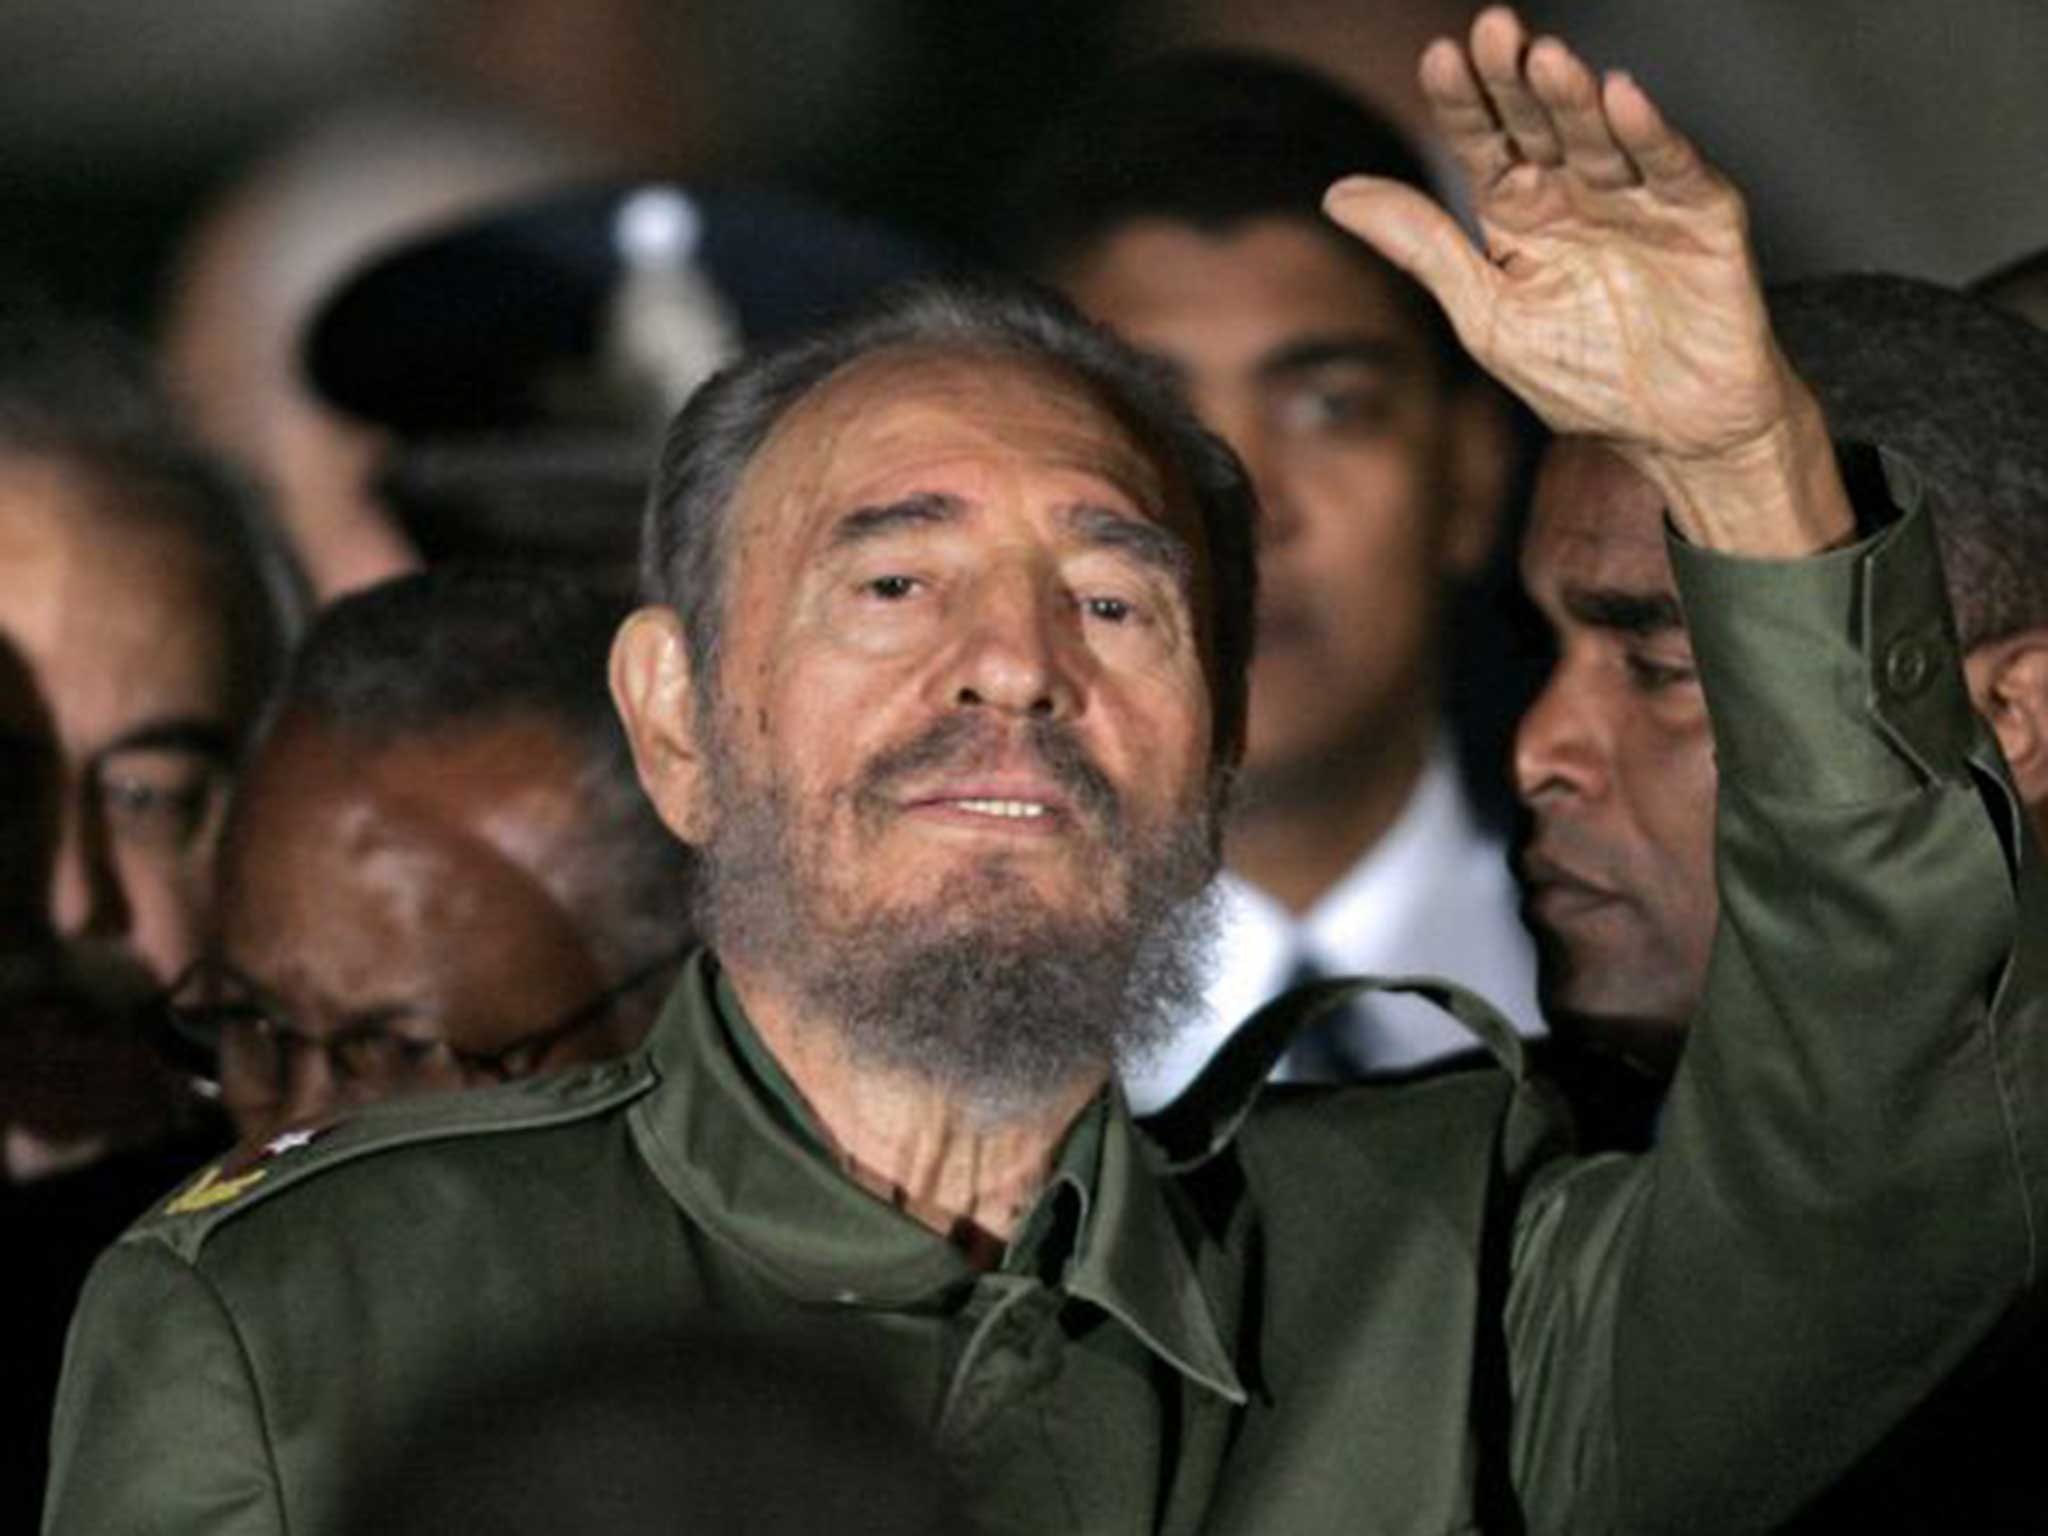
1407, 228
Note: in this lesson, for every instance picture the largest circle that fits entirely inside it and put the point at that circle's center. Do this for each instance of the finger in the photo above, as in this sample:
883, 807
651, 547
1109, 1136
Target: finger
1414, 234
1499, 55
1665, 158
1459, 107
1571, 95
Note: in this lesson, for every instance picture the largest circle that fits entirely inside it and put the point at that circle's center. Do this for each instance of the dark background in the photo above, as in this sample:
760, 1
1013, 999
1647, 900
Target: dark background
1901, 134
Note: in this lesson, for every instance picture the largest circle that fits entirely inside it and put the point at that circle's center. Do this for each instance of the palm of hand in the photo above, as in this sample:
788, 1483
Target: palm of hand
1621, 313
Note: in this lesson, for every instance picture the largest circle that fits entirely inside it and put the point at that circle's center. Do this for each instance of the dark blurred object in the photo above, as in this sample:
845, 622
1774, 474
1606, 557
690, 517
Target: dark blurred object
275, 241
75, 1055
638, 1436
56, 1227
525, 361
75, 1049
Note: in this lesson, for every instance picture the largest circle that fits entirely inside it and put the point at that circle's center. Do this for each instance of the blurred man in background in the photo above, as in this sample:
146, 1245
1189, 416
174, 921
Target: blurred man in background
143, 617
519, 364
1182, 207
252, 270
439, 870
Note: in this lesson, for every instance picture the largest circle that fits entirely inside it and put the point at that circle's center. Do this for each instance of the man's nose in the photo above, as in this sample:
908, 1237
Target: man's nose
311, 1091
1019, 650
84, 889
1257, 448
1558, 746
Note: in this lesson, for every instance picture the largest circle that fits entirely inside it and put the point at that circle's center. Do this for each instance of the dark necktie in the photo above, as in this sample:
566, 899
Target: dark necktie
1336, 1048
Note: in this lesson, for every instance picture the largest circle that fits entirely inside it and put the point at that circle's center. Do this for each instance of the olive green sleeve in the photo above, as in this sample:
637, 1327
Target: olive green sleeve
1848, 1178
157, 1426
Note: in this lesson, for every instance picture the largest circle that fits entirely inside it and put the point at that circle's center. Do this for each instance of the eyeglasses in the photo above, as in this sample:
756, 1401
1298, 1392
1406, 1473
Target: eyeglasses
523, 1057
258, 1047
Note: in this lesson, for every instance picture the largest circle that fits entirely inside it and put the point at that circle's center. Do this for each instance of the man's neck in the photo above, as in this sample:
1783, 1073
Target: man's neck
941, 1162
1295, 839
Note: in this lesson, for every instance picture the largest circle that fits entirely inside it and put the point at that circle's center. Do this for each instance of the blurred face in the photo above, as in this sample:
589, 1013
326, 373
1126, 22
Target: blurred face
960, 743
120, 715
1301, 355
403, 899
1614, 762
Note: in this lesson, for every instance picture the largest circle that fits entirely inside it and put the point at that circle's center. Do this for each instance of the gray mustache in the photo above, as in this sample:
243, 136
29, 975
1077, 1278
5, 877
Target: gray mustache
964, 741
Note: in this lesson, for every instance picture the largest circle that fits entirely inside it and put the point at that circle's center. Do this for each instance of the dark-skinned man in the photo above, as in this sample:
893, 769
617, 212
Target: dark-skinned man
1615, 759
438, 870
946, 683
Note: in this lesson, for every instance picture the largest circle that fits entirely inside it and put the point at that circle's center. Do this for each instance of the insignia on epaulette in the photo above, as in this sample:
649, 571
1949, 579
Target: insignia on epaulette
210, 1189
241, 1170
293, 1139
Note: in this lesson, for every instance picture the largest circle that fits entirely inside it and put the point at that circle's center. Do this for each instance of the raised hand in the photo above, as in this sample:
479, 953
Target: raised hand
1617, 293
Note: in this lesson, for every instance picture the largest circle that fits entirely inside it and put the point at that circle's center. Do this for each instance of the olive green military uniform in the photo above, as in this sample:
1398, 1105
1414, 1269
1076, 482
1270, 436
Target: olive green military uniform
1373, 1309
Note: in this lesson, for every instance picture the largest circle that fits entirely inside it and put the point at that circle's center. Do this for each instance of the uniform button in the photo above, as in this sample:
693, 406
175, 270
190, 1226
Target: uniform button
1908, 664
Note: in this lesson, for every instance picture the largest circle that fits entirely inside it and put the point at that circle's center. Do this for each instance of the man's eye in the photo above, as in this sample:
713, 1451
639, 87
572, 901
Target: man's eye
161, 814
1650, 676
1111, 610
1327, 408
890, 589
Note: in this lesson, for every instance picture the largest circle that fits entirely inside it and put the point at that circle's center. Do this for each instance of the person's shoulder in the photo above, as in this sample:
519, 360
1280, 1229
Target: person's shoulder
1449, 1138
1444, 1097
397, 1139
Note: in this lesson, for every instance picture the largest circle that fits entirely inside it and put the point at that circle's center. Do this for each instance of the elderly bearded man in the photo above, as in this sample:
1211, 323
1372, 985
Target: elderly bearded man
956, 677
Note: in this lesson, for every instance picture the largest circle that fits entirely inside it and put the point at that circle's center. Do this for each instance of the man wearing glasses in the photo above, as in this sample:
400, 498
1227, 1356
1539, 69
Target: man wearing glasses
142, 618
439, 871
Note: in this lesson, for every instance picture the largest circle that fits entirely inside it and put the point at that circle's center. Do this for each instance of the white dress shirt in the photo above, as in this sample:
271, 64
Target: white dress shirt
1433, 896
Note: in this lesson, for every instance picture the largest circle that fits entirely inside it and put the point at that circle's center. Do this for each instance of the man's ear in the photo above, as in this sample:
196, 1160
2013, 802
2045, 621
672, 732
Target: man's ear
2008, 682
1478, 457
656, 698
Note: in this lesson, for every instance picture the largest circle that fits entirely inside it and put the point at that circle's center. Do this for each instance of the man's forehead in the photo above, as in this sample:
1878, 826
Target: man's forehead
1248, 292
1595, 521
117, 622
868, 433
479, 775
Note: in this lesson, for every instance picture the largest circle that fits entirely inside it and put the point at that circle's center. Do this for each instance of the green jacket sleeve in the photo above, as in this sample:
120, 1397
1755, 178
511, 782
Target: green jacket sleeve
1848, 1176
153, 1362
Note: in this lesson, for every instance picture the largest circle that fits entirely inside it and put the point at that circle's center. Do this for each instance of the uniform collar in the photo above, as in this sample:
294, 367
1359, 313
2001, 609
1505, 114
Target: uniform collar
731, 1141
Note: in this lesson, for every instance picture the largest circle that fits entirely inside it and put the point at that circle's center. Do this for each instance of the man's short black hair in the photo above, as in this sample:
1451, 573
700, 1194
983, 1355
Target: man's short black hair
80, 394
1961, 389
457, 648
1212, 140
686, 548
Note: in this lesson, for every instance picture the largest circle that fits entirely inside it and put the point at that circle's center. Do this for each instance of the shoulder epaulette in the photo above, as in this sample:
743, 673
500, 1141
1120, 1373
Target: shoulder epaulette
229, 1186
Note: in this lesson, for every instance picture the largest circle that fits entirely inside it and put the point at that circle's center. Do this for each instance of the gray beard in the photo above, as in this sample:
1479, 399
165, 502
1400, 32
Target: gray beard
982, 991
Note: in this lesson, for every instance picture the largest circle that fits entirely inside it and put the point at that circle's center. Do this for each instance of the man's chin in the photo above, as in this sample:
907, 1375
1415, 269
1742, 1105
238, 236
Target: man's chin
1589, 1003
1003, 899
